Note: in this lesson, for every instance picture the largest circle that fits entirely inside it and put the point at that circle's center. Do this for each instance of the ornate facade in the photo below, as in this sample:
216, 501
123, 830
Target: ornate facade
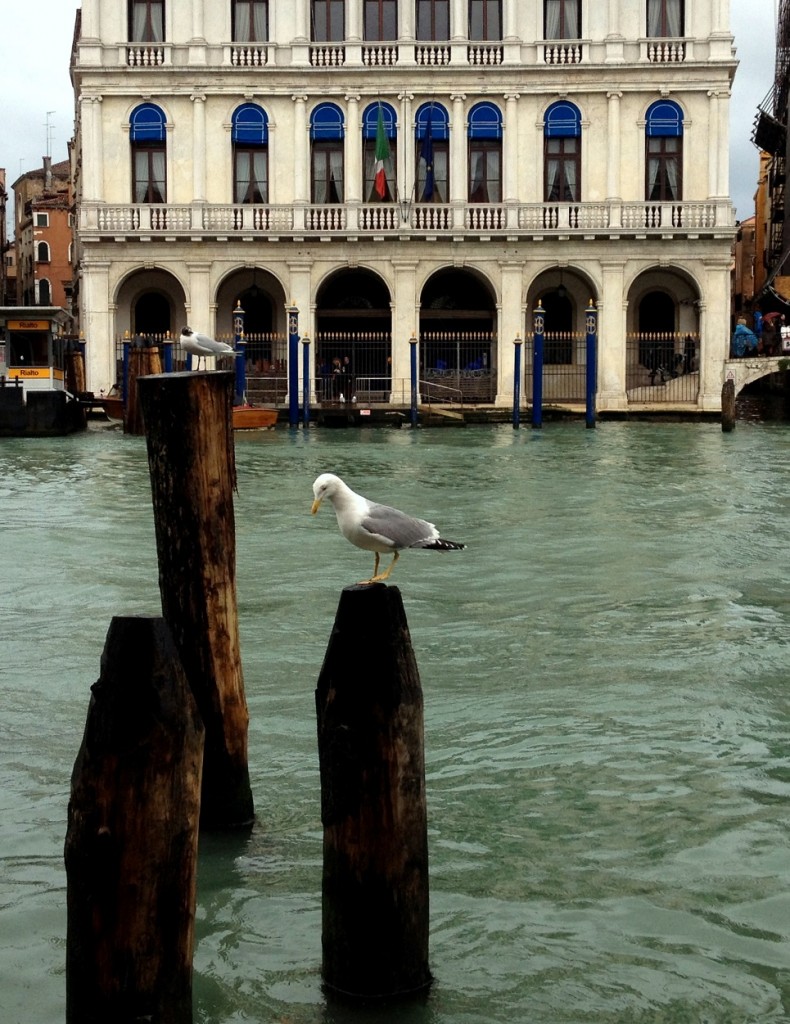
413, 169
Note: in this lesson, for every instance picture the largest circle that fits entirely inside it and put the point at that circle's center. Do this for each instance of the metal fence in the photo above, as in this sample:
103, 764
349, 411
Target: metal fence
564, 367
662, 367
458, 363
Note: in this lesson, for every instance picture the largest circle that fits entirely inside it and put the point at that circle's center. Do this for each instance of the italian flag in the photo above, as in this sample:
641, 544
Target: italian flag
382, 154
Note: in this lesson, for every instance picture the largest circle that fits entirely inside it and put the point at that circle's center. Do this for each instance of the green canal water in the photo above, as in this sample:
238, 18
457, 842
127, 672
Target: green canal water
607, 714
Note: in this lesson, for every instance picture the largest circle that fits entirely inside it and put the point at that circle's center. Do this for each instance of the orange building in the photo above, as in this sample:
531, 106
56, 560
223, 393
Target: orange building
43, 232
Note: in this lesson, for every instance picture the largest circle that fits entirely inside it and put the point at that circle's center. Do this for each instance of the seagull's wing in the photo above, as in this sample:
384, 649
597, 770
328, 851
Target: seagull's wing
396, 528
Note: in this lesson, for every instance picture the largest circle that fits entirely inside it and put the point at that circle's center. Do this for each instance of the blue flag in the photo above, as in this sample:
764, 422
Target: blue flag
426, 154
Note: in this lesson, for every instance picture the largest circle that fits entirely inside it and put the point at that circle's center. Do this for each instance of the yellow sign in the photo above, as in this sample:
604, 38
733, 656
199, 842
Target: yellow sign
28, 325
29, 372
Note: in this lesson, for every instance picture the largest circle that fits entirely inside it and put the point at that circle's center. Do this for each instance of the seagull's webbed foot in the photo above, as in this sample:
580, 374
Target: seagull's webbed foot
380, 577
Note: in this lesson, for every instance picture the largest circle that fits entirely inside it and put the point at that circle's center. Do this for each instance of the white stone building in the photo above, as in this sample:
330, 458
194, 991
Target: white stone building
225, 152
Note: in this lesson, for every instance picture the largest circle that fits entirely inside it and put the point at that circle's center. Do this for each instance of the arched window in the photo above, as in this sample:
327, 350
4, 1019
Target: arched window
664, 152
146, 21
562, 153
562, 19
665, 18
326, 133
250, 136
378, 152
381, 20
485, 154
44, 293
42, 252
250, 21
433, 20
432, 136
485, 19
327, 21
147, 134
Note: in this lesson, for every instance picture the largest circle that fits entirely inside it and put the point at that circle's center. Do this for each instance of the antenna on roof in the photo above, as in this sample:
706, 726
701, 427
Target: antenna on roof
50, 132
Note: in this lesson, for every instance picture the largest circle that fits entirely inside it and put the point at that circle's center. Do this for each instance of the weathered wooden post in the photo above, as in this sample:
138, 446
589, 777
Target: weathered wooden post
370, 745
131, 843
143, 360
193, 475
728, 406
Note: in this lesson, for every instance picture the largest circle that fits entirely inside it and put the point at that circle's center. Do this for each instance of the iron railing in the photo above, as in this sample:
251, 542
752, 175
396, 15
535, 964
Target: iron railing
662, 367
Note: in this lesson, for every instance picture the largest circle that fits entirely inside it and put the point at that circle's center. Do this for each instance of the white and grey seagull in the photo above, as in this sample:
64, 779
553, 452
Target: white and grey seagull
375, 527
201, 345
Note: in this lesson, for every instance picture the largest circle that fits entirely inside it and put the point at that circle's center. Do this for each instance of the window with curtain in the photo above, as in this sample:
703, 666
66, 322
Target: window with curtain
485, 154
327, 21
433, 20
250, 21
381, 20
432, 141
250, 137
146, 21
664, 156
369, 146
485, 19
562, 153
326, 157
562, 19
147, 137
665, 18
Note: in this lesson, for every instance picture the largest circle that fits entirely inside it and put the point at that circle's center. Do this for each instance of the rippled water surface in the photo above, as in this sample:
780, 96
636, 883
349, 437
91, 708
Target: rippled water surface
605, 672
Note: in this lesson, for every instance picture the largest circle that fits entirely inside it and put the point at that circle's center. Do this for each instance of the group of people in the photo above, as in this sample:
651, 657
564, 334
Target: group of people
769, 336
338, 380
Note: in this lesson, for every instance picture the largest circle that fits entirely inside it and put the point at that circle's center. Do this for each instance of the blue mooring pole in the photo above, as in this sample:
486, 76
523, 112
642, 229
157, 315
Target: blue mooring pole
306, 381
293, 366
240, 344
413, 376
517, 383
167, 354
538, 329
591, 326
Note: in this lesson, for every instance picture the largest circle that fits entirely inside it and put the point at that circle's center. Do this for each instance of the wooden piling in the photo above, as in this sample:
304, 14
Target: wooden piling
131, 842
143, 360
370, 744
193, 475
728, 406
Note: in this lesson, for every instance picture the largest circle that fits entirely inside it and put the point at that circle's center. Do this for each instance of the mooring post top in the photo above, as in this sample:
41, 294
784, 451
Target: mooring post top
358, 587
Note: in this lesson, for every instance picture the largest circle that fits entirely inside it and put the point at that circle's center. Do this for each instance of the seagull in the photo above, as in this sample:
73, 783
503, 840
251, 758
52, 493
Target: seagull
201, 345
375, 527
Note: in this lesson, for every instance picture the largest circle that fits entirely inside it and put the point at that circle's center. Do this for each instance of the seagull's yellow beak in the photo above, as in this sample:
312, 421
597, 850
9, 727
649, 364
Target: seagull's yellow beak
316, 506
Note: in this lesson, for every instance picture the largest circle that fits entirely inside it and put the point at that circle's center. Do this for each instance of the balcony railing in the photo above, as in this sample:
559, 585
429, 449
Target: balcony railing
225, 220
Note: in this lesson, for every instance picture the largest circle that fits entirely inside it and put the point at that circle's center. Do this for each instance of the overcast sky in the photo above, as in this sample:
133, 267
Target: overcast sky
35, 89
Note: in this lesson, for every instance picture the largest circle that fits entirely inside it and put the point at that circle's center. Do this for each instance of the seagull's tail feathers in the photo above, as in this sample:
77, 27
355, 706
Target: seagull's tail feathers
442, 545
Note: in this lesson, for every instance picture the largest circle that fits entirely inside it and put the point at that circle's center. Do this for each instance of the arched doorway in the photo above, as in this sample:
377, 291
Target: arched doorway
458, 337
353, 343
663, 344
151, 315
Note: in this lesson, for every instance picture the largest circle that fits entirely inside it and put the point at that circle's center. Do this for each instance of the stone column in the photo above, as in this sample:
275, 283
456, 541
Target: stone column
406, 156
458, 161
199, 145
612, 332
714, 328
301, 151
355, 172
713, 143
512, 314
98, 325
613, 149
510, 190
405, 324
93, 148
353, 22
200, 311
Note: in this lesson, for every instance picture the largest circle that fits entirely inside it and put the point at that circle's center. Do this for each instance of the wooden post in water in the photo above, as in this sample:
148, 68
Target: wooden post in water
193, 475
143, 360
370, 745
728, 406
132, 837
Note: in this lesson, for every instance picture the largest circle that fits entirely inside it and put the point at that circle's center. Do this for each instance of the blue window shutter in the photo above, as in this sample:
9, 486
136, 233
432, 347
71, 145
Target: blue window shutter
326, 122
664, 118
250, 125
147, 123
562, 121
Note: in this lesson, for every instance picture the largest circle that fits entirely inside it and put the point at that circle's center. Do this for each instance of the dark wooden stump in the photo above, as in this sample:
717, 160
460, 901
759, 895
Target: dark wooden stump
131, 843
370, 745
728, 406
193, 475
142, 361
